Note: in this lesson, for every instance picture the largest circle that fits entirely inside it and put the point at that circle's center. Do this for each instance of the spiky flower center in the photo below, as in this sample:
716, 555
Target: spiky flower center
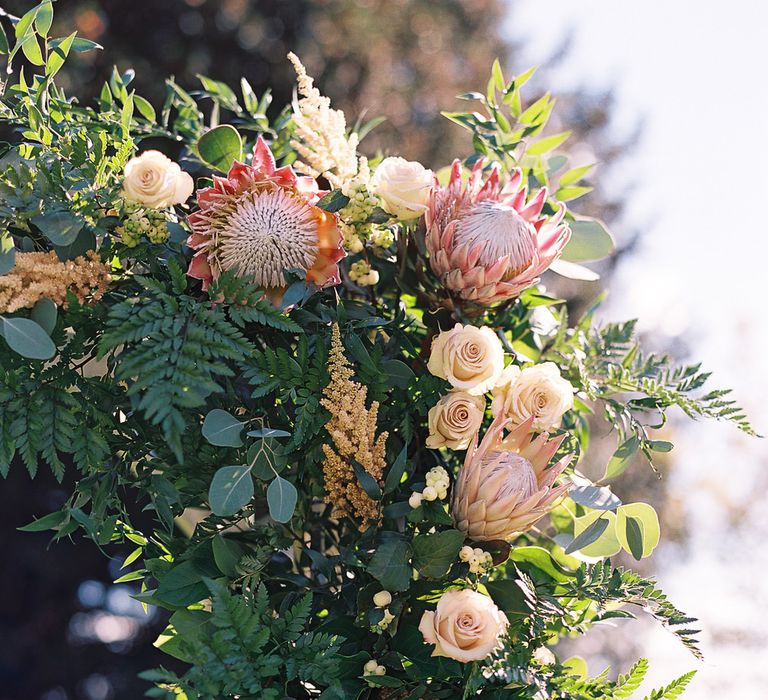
520, 477
499, 231
267, 233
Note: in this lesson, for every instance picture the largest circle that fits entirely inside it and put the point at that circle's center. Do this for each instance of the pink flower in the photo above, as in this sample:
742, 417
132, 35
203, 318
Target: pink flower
505, 485
261, 220
487, 243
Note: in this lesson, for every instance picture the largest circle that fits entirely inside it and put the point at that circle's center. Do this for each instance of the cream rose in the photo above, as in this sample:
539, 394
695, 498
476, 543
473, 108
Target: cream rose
155, 181
466, 626
403, 187
455, 420
470, 358
537, 391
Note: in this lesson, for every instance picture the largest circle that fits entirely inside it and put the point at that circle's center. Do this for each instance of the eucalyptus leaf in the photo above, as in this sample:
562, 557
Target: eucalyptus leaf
59, 227
222, 429
231, 489
590, 240
281, 498
622, 458
590, 535
27, 338
45, 313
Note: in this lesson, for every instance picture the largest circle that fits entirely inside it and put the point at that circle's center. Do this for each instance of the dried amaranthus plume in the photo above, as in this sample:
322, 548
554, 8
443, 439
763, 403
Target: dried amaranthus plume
352, 428
38, 276
321, 134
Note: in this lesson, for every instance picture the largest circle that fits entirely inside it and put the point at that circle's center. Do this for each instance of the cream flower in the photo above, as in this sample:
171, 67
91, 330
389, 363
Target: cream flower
455, 420
470, 358
466, 626
155, 181
538, 391
403, 187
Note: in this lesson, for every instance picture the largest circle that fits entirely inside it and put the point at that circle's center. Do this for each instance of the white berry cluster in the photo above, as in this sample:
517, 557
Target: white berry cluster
437, 487
141, 221
374, 668
358, 210
361, 273
381, 600
479, 560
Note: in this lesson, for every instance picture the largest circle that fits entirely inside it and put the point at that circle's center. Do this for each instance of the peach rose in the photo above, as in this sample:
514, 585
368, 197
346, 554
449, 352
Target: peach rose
466, 626
455, 420
537, 391
470, 358
155, 181
403, 187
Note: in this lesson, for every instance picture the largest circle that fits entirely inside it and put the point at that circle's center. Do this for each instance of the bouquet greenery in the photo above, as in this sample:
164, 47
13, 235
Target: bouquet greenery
336, 383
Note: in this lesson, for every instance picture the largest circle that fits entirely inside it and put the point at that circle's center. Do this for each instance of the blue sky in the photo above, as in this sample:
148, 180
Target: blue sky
694, 74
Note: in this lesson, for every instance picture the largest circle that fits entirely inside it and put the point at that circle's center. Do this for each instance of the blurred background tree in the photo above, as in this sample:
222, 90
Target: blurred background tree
68, 633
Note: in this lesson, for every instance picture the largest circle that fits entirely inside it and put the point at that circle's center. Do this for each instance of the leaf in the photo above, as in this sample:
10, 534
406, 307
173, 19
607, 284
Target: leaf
589, 495
220, 147
645, 518
145, 108
45, 313
333, 201
369, 484
400, 374
396, 471
231, 489
621, 458
433, 554
268, 433
572, 176
79, 45
222, 429
573, 271
59, 227
226, 554
541, 559
281, 498
590, 535
567, 194
660, 445
7, 255
58, 55
590, 240
44, 18
606, 544
47, 522
548, 143
390, 567
509, 597
27, 338
182, 585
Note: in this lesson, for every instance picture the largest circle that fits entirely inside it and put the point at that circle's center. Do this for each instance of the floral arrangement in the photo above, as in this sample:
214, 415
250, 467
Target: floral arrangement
337, 384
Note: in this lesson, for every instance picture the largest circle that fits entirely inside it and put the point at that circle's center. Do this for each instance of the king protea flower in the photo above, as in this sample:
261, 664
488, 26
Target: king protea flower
261, 220
505, 485
487, 243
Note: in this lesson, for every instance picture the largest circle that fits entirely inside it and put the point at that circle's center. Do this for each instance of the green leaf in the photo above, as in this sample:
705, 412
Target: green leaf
231, 489
7, 255
592, 496
45, 313
590, 535
58, 55
59, 227
568, 194
622, 458
590, 240
396, 471
220, 147
390, 567
222, 429
333, 201
633, 517
47, 522
4, 47
572, 176
400, 374
182, 585
509, 597
369, 484
541, 559
226, 554
145, 108
660, 445
281, 498
79, 45
31, 49
607, 543
44, 18
548, 143
27, 338
434, 554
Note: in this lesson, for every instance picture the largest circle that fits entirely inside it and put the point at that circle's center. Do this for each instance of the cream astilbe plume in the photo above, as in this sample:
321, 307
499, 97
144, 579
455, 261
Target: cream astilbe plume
352, 429
321, 133
38, 276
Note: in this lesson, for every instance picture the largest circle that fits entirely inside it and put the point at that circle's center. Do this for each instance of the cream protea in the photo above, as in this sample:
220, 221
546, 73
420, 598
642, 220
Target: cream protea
261, 220
487, 243
505, 485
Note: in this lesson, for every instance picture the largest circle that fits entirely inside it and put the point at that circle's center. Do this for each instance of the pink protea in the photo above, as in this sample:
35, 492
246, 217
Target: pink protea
261, 220
487, 243
505, 485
